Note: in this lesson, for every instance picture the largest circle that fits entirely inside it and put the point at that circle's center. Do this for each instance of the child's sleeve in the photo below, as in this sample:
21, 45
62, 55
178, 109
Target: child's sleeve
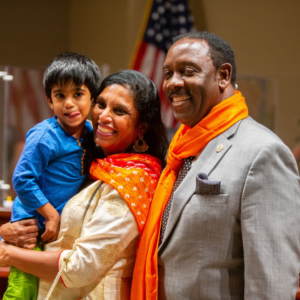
40, 147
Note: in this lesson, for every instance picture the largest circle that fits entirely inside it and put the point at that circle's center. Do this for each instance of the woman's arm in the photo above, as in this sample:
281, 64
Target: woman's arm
105, 239
22, 233
42, 264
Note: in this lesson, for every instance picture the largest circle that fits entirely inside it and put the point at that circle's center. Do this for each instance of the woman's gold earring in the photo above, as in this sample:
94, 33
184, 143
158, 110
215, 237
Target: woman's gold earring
140, 145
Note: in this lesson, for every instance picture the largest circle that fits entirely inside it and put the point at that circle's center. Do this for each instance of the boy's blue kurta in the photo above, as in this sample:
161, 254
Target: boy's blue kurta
50, 169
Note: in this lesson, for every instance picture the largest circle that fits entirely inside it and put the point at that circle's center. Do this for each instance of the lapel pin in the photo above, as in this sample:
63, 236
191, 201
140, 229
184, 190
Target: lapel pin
219, 148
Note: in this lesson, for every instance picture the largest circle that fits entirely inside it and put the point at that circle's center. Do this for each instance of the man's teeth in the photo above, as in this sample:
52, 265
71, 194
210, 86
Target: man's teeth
102, 129
181, 98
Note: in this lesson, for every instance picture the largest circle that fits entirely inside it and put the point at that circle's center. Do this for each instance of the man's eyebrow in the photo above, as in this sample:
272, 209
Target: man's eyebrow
183, 63
189, 62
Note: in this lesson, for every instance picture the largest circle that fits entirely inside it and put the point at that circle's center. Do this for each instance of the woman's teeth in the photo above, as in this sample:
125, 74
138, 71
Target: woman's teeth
105, 130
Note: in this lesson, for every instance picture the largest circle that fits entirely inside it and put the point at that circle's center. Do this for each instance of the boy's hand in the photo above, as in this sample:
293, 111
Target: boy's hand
52, 229
52, 222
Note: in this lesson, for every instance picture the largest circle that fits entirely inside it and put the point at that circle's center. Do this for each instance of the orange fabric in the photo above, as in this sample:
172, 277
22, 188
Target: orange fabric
186, 142
134, 176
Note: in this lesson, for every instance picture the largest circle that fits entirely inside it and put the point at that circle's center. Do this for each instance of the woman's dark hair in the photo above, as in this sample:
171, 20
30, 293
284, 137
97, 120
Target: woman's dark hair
147, 102
72, 66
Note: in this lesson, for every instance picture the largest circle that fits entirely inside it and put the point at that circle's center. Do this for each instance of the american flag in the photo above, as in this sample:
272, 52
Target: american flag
163, 20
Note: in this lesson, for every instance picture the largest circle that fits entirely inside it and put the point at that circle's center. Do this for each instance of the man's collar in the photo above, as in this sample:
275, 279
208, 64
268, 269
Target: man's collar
230, 132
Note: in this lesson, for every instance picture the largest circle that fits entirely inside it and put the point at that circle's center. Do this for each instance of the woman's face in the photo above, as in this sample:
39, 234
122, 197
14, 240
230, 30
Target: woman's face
115, 120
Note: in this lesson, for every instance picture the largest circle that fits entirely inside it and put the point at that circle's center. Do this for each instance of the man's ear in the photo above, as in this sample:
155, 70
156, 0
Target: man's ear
224, 74
49, 102
143, 127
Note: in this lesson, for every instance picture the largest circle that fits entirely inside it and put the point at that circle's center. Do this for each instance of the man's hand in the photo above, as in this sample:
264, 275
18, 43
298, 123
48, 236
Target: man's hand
22, 233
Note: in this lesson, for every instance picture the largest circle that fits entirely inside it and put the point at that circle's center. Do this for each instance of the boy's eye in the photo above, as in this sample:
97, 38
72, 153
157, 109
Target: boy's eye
78, 94
59, 95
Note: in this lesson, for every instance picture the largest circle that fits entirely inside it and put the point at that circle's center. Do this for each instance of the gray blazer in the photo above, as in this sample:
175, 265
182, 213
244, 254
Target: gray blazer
242, 242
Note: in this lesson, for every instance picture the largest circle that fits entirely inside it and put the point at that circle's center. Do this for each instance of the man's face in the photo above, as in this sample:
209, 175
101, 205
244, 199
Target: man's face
190, 81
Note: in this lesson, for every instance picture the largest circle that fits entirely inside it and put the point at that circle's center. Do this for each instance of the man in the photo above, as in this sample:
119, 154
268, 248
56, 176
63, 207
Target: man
228, 227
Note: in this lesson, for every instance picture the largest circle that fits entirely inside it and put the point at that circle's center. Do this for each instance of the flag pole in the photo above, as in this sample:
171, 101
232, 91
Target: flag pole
141, 32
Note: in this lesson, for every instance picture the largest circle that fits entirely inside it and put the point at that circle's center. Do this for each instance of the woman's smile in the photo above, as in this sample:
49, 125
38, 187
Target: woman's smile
105, 130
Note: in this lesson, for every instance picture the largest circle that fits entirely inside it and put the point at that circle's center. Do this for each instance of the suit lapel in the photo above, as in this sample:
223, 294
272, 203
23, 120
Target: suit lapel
206, 162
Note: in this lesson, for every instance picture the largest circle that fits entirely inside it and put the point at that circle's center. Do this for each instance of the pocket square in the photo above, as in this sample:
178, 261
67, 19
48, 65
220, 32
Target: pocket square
207, 187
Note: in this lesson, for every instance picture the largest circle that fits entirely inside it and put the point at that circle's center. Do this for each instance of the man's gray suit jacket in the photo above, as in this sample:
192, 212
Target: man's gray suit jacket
242, 243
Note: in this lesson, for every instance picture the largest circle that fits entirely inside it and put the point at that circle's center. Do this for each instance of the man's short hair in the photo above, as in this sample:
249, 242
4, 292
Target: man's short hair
220, 51
75, 67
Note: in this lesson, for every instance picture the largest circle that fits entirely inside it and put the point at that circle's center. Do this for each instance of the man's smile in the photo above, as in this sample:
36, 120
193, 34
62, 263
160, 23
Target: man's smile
178, 99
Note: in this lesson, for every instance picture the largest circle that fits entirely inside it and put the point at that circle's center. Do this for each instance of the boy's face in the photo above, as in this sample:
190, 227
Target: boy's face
71, 105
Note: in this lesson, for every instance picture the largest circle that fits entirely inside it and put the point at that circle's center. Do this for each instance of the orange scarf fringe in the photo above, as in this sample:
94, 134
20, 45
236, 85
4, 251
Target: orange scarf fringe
134, 176
186, 142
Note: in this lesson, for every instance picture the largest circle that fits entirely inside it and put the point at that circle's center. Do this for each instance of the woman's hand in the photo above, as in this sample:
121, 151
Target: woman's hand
32, 262
3, 254
22, 233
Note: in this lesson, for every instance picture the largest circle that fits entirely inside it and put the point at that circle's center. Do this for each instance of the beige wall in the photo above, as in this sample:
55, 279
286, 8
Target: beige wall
264, 34
105, 30
32, 32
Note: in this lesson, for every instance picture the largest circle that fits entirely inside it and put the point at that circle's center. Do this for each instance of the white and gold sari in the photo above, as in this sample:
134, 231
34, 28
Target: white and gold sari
104, 252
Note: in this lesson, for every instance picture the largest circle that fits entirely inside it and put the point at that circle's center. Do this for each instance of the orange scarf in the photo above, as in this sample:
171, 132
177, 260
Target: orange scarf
186, 142
134, 176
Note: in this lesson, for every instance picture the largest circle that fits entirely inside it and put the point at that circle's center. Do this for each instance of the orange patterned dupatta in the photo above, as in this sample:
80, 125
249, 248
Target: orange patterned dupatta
134, 176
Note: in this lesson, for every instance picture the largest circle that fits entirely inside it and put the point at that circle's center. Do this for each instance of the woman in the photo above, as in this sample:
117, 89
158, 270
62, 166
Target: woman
95, 249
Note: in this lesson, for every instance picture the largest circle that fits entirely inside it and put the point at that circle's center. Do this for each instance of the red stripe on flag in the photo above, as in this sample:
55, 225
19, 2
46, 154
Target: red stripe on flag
140, 56
155, 64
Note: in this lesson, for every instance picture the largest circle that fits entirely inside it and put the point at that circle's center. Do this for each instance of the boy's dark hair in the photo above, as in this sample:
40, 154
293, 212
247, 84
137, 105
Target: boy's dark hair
72, 66
220, 51
147, 102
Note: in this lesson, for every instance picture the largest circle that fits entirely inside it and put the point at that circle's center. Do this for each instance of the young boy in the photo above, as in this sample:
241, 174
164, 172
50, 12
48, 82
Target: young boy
52, 167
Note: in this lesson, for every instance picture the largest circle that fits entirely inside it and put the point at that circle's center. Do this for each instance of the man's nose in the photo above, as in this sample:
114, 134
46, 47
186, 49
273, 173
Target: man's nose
175, 82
